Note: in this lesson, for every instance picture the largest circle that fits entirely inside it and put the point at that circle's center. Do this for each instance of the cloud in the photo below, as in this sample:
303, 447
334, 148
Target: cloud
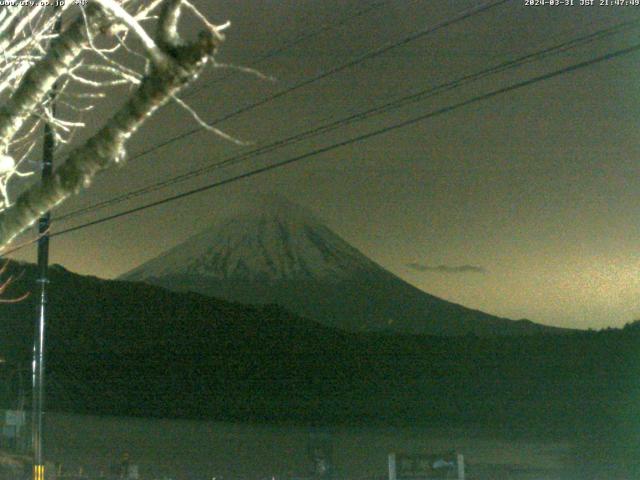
446, 268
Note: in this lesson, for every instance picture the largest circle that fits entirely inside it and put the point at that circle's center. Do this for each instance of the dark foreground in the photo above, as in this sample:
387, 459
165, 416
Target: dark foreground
197, 450
125, 349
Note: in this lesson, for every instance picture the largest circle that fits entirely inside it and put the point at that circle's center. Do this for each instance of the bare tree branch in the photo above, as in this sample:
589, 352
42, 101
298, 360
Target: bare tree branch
5, 284
181, 64
40, 78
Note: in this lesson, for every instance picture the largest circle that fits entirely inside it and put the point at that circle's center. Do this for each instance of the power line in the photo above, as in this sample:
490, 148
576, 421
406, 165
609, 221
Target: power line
332, 71
403, 101
299, 39
359, 138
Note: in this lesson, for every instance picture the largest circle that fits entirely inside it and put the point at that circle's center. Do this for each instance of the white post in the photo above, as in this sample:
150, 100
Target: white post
460, 462
392, 466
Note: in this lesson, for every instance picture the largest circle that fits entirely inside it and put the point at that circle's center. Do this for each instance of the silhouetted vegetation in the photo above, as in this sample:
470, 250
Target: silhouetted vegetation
131, 349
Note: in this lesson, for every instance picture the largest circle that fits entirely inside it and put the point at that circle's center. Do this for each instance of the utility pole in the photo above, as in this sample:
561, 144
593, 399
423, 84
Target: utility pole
37, 403
38, 385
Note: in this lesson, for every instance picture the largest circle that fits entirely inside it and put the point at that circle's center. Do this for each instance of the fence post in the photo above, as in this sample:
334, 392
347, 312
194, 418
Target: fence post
460, 462
392, 466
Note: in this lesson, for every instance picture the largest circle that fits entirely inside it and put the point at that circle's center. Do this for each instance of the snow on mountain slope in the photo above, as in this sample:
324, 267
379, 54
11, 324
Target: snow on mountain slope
270, 240
272, 251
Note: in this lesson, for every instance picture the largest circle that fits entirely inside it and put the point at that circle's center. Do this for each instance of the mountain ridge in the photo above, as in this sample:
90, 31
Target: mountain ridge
278, 252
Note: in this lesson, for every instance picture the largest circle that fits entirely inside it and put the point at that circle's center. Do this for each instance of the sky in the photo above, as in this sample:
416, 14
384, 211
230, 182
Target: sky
524, 205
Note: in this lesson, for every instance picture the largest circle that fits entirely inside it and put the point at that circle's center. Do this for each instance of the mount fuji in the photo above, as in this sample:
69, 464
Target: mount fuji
276, 252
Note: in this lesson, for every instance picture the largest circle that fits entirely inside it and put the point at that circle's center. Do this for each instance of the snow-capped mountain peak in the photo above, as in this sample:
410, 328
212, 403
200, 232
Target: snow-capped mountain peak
269, 239
272, 251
